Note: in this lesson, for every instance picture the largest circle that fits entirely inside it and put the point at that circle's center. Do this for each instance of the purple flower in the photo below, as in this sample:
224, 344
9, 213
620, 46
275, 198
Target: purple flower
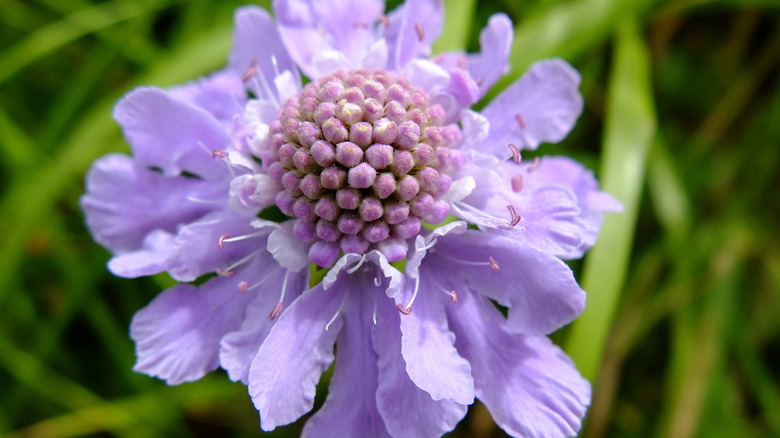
246, 178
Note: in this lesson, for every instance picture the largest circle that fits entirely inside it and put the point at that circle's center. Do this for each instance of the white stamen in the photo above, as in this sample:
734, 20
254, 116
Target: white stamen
204, 201
375, 301
414, 295
357, 265
227, 237
240, 262
377, 281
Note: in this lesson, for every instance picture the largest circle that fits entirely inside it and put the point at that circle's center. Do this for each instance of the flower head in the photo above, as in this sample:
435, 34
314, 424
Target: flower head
251, 176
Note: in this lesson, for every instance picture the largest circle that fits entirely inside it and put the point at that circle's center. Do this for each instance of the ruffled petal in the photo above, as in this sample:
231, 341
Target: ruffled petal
454, 90
284, 374
540, 107
277, 290
288, 250
490, 64
177, 335
558, 205
222, 94
125, 201
413, 27
310, 28
258, 49
150, 259
529, 385
487, 66
172, 134
539, 289
432, 362
570, 175
350, 409
408, 411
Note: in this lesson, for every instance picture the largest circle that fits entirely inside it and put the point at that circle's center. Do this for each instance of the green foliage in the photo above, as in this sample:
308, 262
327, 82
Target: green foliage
680, 336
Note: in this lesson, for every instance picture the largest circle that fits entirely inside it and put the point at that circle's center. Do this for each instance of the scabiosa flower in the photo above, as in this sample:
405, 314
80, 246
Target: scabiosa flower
247, 178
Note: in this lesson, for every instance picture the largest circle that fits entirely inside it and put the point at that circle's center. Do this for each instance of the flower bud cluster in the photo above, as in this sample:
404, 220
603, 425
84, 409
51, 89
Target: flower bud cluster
362, 158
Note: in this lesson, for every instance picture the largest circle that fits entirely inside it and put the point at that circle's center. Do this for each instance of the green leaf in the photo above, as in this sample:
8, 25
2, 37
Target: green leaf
630, 127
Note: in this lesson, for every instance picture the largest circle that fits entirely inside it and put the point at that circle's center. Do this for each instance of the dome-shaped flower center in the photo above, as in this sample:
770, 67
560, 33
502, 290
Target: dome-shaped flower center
363, 159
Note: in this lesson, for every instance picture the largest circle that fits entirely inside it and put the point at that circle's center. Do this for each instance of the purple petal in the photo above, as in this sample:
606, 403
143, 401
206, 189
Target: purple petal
172, 134
125, 201
290, 251
414, 26
310, 28
453, 89
490, 64
539, 289
432, 362
559, 204
529, 385
580, 185
258, 48
196, 250
240, 347
177, 335
350, 409
222, 94
406, 409
540, 107
284, 374
150, 259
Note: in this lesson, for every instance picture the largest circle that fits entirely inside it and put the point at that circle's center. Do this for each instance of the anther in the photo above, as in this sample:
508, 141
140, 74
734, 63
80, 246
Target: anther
493, 264
517, 183
359, 24
534, 165
218, 153
463, 62
515, 219
420, 31
221, 241
225, 272
520, 120
277, 311
453, 295
243, 286
386, 21
251, 72
403, 309
515, 153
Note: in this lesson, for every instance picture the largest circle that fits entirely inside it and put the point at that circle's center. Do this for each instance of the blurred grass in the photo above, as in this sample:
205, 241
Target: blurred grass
681, 333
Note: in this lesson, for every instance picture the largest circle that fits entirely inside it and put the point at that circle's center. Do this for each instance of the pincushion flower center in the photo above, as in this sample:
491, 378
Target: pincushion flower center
362, 158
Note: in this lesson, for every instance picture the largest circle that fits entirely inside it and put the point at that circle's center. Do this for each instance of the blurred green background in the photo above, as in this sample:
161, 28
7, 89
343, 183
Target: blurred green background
681, 123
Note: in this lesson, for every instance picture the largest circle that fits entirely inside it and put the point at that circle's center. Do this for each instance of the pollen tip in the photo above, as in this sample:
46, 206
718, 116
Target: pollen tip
454, 296
534, 165
218, 153
243, 286
403, 309
516, 157
221, 241
225, 272
418, 27
517, 183
494, 264
277, 311
520, 120
514, 217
